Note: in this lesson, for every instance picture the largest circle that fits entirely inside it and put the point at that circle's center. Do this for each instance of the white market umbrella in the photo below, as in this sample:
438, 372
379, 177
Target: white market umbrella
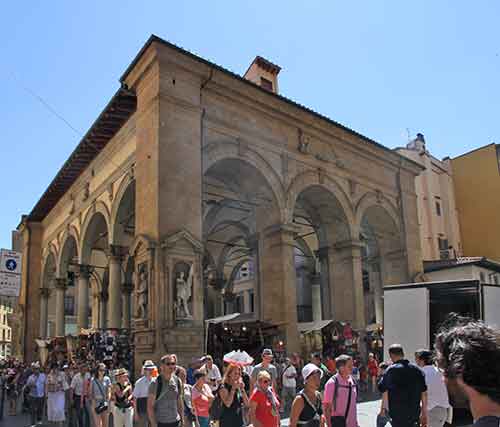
240, 358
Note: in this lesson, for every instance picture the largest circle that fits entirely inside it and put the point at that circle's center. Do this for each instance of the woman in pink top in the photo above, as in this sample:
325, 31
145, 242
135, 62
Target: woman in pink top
339, 401
201, 399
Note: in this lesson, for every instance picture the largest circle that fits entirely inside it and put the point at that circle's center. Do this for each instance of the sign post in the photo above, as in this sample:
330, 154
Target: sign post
10, 272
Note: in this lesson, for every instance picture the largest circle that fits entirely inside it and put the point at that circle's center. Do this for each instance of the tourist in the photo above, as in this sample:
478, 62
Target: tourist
289, 389
165, 397
438, 403
11, 391
330, 364
405, 384
36, 393
265, 365
317, 360
77, 395
372, 367
383, 416
122, 396
201, 399
140, 392
306, 408
340, 396
213, 373
55, 391
264, 404
468, 352
100, 396
234, 398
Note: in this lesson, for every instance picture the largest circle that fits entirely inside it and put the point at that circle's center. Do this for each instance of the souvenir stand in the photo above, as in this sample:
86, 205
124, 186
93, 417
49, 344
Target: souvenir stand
328, 337
375, 340
237, 332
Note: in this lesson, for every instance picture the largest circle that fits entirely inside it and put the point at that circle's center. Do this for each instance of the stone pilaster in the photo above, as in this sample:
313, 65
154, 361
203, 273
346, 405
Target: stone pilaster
279, 299
127, 289
44, 309
346, 283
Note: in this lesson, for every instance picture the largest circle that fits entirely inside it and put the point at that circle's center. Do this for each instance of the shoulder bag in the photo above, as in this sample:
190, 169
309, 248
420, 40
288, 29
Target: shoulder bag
339, 421
101, 406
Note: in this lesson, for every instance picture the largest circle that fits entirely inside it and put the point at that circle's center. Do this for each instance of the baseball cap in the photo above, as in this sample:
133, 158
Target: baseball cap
267, 352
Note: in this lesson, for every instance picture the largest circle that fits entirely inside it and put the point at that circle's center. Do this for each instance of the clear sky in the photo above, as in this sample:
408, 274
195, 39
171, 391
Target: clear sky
383, 68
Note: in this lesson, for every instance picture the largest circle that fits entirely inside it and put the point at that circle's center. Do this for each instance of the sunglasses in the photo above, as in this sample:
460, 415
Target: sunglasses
169, 363
265, 381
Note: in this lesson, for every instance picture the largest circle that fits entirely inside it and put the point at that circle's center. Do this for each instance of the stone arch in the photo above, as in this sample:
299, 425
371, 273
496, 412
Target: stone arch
124, 186
70, 232
69, 250
371, 199
311, 178
93, 222
49, 266
99, 207
217, 151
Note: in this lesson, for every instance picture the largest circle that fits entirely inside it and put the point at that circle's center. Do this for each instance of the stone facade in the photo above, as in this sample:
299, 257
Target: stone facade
210, 167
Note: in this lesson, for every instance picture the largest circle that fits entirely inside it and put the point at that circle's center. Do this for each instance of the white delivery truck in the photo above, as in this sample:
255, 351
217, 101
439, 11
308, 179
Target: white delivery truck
414, 312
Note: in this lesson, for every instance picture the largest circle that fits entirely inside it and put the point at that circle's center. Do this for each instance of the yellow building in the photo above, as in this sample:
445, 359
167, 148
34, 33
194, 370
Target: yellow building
477, 191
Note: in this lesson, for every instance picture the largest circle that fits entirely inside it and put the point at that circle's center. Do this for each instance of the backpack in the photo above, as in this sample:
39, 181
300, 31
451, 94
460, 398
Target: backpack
159, 386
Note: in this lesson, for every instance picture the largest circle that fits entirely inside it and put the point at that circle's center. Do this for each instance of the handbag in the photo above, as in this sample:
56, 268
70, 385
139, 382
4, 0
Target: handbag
339, 421
102, 406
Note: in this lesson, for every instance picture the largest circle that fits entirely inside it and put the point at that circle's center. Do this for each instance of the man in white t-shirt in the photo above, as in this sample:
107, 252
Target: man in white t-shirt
438, 402
289, 389
141, 391
214, 377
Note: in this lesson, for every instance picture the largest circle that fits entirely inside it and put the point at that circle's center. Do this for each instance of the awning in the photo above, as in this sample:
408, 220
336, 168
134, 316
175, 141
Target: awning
222, 319
307, 327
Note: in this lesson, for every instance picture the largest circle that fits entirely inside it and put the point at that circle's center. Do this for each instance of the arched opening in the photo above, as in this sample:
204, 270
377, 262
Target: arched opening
95, 250
381, 241
67, 271
237, 202
321, 222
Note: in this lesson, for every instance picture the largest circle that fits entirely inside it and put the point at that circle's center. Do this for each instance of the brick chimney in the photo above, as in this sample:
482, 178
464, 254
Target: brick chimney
264, 74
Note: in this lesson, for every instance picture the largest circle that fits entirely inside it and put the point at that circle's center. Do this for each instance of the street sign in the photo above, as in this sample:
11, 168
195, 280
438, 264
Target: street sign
10, 284
10, 273
10, 261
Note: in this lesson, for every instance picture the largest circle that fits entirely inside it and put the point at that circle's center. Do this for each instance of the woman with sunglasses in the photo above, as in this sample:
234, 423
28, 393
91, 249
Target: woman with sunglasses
307, 408
234, 398
264, 404
100, 395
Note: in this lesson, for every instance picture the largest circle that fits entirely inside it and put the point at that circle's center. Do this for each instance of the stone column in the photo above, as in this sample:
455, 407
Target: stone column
83, 296
103, 302
322, 254
246, 302
95, 310
127, 289
346, 283
378, 293
60, 317
316, 298
279, 299
44, 308
115, 295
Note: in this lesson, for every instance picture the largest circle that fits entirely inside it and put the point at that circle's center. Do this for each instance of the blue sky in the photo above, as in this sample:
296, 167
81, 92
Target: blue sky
379, 67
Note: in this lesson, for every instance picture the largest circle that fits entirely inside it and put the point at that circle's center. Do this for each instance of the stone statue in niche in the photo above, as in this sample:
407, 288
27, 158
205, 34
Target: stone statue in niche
142, 293
184, 289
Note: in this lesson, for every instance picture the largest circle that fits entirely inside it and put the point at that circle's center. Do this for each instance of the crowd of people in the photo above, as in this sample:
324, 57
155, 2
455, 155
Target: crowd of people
318, 393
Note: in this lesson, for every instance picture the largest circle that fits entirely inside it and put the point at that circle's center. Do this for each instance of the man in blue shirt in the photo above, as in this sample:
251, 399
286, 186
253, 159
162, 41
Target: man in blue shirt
405, 384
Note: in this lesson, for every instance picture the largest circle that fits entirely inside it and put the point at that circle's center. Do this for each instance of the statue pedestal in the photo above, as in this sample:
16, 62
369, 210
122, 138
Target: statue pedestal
186, 340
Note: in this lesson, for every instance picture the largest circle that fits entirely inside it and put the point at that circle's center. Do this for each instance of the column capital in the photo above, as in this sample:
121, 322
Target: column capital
288, 228
348, 244
84, 271
127, 288
45, 292
116, 252
61, 283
